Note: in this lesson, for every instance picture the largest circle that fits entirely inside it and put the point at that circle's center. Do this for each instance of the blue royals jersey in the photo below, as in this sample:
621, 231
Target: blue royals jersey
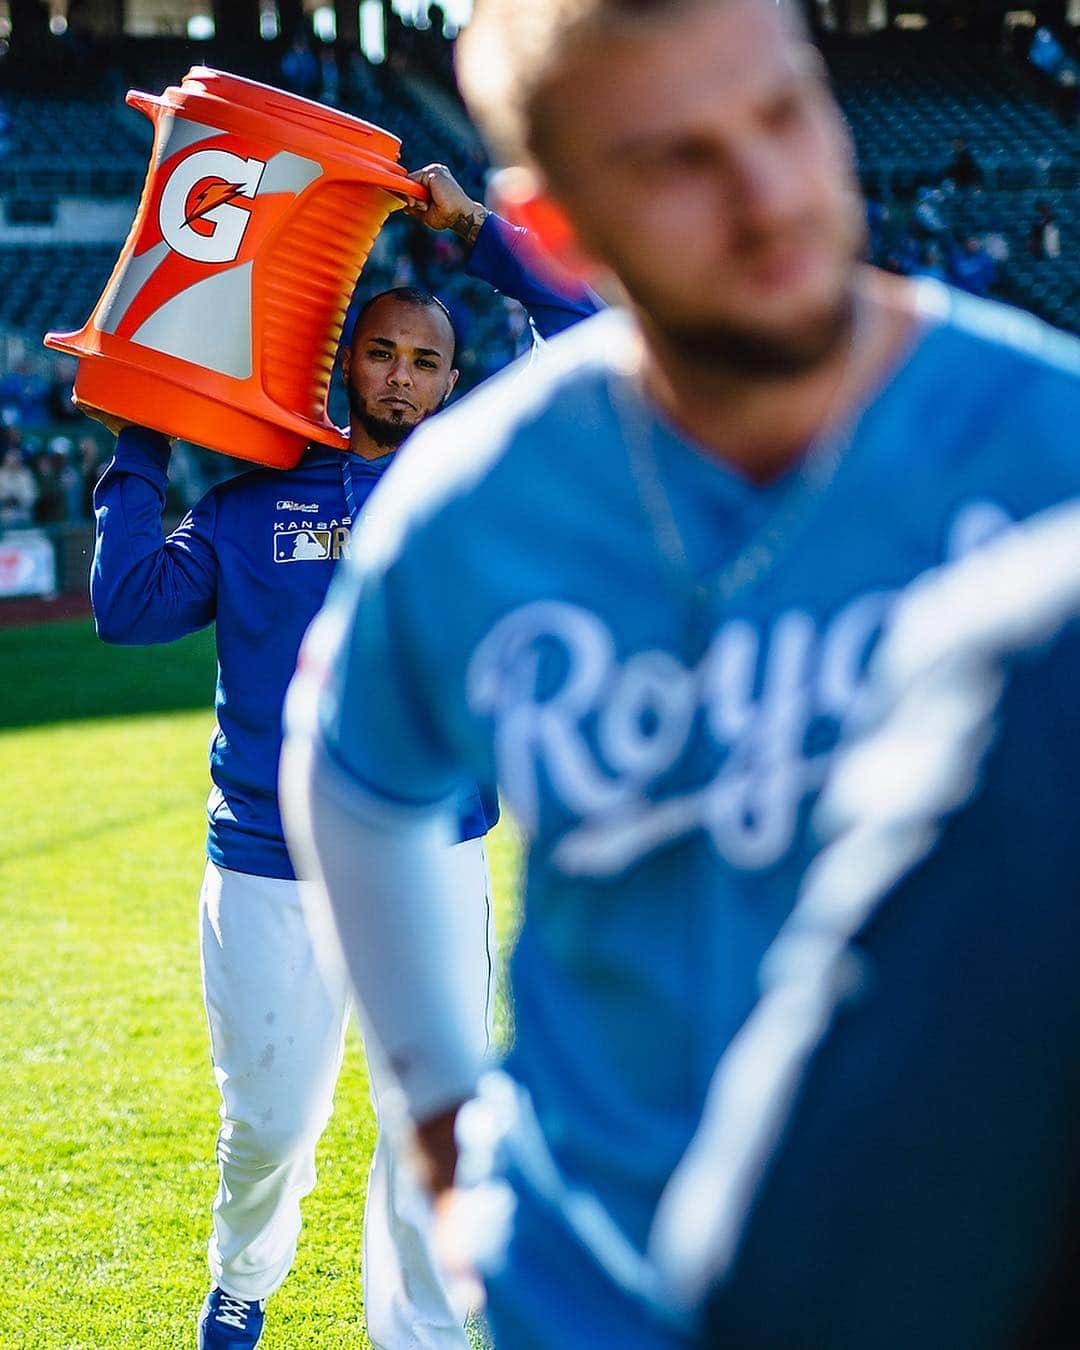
255, 557
519, 620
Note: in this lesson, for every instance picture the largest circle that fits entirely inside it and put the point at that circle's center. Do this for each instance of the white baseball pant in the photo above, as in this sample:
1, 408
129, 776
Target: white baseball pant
277, 1016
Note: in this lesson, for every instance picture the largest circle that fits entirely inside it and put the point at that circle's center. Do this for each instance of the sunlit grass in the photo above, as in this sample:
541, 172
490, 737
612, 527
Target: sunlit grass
109, 1107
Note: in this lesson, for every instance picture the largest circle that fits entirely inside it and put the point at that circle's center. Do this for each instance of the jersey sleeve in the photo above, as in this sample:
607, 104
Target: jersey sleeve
145, 587
500, 257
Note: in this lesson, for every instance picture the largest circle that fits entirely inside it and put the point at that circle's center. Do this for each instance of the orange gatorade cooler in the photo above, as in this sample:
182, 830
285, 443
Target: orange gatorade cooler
221, 319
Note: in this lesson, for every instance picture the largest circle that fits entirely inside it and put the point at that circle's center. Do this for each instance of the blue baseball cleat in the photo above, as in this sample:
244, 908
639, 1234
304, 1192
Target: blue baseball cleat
228, 1323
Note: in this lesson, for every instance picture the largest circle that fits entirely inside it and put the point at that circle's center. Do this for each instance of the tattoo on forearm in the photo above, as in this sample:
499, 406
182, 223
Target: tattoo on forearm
467, 224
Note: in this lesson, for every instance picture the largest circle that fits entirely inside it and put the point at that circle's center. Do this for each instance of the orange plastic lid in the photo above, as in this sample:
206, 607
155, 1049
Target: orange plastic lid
223, 99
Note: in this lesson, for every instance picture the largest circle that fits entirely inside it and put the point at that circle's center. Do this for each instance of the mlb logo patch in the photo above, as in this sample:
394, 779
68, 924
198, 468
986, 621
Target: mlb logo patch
301, 546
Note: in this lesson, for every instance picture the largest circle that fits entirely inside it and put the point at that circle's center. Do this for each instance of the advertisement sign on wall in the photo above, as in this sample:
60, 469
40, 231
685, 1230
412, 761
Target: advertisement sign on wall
27, 564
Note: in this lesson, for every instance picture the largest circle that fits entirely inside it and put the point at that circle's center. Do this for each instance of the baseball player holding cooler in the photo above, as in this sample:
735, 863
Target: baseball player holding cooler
702, 508
256, 556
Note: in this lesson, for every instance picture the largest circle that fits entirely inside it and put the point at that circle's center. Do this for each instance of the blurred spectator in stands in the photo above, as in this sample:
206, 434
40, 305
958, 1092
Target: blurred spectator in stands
997, 245
52, 501
329, 75
88, 465
1044, 240
972, 268
404, 271
61, 393
439, 51
477, 168
877, 220
77, 48
1068, 97
892, 261
362, 90
18, 490
400, 42
186, 483
300, 67
24, 397
928, 219
964, 169
71, 480
931, 263
906, 258
464, 317
445, 256
1046, 52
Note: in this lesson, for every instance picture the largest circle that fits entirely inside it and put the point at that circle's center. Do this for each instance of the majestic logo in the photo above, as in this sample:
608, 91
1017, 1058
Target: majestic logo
201, 213
289, 505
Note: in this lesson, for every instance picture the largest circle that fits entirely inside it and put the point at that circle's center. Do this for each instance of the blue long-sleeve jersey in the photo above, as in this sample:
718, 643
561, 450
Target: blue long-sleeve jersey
255, 555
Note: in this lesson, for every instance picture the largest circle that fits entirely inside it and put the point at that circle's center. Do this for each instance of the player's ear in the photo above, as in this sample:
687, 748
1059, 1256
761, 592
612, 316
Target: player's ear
346, 363
519, 194
454, 377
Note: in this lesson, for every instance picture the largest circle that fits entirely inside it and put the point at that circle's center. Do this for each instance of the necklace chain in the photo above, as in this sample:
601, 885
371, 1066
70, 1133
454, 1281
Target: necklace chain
762, 550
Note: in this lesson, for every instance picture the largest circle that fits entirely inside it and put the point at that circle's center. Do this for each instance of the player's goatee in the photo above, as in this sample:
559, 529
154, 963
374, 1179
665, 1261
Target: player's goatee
385, 432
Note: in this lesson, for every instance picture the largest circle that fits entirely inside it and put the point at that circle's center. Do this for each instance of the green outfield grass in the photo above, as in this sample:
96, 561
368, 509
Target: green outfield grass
109, 1108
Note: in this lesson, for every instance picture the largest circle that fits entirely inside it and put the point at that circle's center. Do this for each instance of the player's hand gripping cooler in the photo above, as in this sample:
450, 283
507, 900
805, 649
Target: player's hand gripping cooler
221, 319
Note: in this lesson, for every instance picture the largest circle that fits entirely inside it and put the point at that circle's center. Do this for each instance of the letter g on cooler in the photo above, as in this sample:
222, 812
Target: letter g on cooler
198, 213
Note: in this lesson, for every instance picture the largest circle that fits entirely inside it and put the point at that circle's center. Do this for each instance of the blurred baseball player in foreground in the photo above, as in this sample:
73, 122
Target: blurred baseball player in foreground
645, 601
255, 556
896, 1127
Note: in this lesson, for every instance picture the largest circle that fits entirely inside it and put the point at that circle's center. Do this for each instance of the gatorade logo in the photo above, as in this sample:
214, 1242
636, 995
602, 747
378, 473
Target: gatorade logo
202, 214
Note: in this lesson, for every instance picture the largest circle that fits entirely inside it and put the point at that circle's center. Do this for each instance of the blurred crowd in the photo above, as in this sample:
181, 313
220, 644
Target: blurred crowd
1060, 71
922, 237
49, 462
315, 69
46, 481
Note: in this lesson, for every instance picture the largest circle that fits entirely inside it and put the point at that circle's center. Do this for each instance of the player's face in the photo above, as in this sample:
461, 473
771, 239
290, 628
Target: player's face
400, 368
703, 160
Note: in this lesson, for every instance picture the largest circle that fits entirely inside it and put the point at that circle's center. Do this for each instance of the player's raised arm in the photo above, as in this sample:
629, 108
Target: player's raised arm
144, 587
499, 254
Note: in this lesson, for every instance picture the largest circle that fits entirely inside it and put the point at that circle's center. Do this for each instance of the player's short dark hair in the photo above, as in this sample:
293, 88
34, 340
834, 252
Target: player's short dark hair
406, 295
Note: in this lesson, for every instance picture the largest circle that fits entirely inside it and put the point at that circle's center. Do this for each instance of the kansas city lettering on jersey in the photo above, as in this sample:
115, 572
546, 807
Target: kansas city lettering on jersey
605, 733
